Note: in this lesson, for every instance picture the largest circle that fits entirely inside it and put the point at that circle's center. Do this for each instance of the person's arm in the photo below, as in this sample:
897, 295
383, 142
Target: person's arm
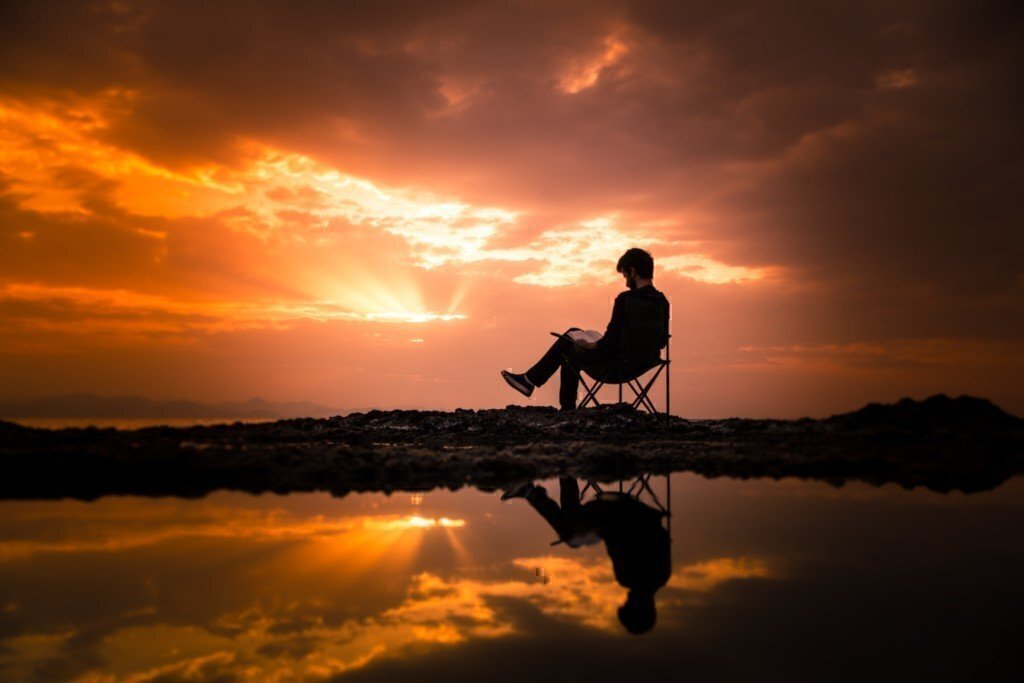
609, 343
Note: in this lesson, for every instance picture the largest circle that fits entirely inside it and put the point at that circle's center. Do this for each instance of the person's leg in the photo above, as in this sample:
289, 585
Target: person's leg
569, 388
547, 508
541, 372
583, 360
569, 493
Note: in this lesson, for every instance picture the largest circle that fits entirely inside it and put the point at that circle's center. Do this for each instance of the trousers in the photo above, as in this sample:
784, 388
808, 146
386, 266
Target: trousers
555, 358
568, 520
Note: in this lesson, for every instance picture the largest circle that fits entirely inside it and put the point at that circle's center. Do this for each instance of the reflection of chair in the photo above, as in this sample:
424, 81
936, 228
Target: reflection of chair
637, 488
644, 334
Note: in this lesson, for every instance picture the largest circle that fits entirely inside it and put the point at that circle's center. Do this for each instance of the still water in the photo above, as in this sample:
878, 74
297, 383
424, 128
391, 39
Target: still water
773, 580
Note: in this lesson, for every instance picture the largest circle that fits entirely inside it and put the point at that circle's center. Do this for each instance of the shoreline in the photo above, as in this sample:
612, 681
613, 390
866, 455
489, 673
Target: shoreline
963, 444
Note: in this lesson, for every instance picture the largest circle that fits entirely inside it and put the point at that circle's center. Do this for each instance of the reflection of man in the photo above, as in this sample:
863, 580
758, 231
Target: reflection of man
637, 543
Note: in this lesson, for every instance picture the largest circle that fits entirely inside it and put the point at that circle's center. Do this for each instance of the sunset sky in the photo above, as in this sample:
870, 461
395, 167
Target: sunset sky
378, 204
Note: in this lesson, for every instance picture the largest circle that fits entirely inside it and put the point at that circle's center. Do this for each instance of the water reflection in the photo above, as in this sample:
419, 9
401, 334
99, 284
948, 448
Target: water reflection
240, 587
632, 531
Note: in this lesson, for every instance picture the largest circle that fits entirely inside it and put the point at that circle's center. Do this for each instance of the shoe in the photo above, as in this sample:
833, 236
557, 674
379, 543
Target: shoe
519, 491
518, 382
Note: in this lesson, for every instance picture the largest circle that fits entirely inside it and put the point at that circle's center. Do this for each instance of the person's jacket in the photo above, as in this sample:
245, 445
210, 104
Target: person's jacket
637, 543
639, 355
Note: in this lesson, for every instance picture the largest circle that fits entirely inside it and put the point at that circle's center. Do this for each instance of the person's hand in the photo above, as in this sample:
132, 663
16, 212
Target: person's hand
583, 344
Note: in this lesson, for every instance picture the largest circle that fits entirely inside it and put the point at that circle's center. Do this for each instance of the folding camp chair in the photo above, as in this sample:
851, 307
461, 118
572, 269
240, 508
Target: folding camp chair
636, 489
638, 486
644, 330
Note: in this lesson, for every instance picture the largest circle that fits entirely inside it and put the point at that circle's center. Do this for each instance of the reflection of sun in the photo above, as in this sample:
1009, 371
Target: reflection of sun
326, 594
380, 544
416, 522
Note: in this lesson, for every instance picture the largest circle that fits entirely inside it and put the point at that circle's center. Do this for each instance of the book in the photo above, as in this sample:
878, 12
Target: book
591, 336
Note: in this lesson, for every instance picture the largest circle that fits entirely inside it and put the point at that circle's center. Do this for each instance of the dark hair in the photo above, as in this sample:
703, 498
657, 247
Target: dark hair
638, 613
639, 260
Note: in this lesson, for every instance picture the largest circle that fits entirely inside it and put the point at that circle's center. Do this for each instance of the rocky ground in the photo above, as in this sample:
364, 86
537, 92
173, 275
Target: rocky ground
945, 444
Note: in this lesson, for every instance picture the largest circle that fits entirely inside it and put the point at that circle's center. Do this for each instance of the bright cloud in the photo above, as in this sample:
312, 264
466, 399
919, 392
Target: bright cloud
281, 196
584, 72
435, 613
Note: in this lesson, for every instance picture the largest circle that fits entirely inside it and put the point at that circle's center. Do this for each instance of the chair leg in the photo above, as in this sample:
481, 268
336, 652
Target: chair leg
642, 398
646, 486
668, 378
591, 391
590, 485
637, 401
629, 491
648, 401
668, 404
591, 395
646, 389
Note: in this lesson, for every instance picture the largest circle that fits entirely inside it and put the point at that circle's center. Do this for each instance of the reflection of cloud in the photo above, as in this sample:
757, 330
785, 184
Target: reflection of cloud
282, 642
704, 576
20, 653
287, 639
109, 532
583, 592
586, 592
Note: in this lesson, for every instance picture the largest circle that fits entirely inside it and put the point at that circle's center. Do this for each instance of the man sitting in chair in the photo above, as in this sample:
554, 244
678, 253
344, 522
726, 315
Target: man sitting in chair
625, 351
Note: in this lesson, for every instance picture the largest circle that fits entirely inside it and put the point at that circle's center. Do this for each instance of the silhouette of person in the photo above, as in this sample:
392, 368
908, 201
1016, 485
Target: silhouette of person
601, 358
637, 543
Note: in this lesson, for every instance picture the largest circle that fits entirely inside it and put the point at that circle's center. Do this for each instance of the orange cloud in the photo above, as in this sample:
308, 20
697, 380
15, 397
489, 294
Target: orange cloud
436, 613
290, 635
351, 167
584, 72
225, 524
281, 196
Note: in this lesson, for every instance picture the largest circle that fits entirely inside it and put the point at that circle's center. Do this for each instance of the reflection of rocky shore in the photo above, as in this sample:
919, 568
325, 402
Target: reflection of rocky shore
945, 444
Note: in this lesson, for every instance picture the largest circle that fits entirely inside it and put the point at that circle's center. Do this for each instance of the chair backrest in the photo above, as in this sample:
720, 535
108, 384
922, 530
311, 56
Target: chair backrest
646, 330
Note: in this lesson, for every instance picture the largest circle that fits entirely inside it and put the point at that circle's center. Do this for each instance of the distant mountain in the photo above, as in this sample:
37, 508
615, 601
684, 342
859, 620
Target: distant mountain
935, 414
92, 406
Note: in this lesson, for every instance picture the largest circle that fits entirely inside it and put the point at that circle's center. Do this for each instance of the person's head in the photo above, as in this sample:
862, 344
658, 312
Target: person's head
636, 264
637, 614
